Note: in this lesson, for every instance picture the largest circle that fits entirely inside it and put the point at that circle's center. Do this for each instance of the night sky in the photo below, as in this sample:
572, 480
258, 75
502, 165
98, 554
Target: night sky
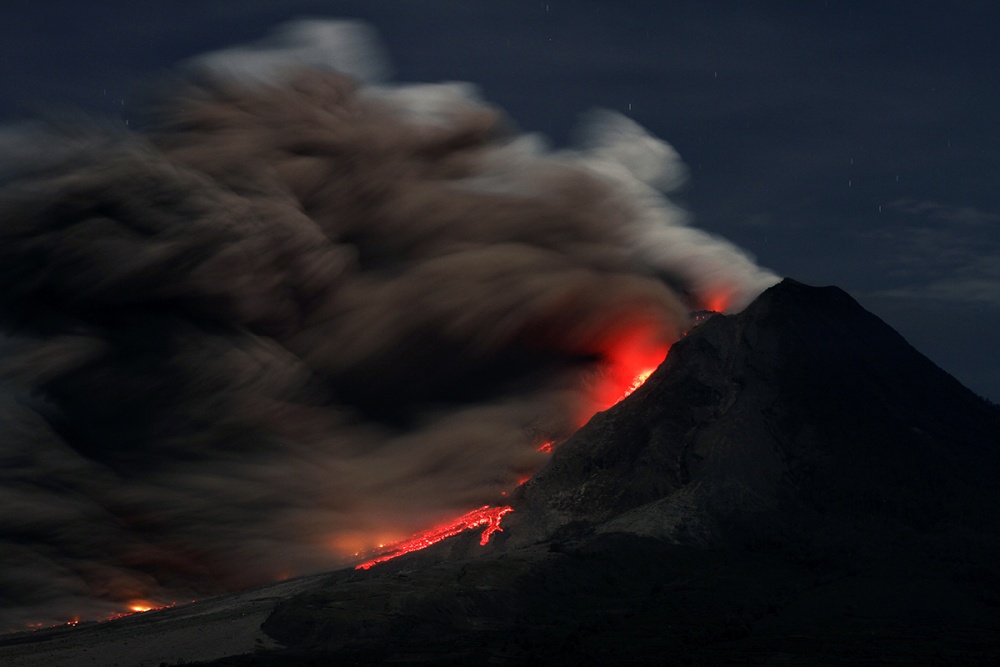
847, 143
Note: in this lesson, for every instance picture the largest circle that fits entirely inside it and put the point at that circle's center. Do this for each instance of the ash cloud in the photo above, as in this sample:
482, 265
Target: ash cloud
303, 312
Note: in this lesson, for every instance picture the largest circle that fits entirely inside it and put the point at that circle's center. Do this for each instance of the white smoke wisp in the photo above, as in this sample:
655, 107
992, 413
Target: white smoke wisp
643, 170
305, 313
346, 47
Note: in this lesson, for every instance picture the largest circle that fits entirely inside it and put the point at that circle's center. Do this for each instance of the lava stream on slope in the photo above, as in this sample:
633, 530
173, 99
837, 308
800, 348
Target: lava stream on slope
484, 516
633, 363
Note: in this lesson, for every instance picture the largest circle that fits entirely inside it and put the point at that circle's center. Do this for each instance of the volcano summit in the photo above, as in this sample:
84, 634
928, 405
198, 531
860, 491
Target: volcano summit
295, 312
793, 483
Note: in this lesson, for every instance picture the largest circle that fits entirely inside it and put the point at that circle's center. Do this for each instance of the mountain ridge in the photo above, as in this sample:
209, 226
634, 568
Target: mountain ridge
795, 484
718, 413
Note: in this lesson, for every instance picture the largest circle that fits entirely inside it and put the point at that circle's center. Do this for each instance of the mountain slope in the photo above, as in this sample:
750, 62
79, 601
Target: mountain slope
794, 485
803, 408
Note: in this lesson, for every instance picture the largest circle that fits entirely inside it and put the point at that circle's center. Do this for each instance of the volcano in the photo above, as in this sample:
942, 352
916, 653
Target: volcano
795, 484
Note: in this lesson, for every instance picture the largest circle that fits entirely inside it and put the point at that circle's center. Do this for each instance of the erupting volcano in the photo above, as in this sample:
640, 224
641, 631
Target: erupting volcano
302, 309
769, 482
628, 362
379, 376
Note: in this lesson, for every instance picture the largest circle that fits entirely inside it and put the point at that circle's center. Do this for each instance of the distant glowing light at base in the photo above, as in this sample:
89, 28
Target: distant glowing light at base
140, 607
484, 516
133, 607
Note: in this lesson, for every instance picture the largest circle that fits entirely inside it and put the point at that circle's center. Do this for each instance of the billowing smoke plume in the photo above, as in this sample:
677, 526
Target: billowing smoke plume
303, 312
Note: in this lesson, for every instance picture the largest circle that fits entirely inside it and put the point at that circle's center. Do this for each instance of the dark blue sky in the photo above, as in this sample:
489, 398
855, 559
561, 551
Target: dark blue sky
848, 143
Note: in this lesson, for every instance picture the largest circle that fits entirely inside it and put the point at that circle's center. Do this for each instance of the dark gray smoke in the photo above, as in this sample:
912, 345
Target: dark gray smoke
303, 312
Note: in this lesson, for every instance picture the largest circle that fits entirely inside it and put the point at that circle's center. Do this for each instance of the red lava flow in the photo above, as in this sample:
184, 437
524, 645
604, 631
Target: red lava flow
484, 516
627, 368
628, 365
625, 371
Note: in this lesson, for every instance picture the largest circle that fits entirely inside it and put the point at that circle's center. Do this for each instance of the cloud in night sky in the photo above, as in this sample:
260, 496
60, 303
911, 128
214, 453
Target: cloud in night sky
939, 251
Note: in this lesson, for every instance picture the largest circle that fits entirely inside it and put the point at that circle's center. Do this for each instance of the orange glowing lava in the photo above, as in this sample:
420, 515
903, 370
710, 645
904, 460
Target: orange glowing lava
484, 516
638, 381
139, 607
132, 607
629, 362
716, 304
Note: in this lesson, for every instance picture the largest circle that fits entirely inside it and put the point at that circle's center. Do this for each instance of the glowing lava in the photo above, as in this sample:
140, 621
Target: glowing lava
628, 364
484, 516
637, 382
133, 607
139, 607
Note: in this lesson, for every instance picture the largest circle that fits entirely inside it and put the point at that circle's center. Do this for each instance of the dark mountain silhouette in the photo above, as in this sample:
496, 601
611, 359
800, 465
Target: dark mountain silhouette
794, 485
803, 410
